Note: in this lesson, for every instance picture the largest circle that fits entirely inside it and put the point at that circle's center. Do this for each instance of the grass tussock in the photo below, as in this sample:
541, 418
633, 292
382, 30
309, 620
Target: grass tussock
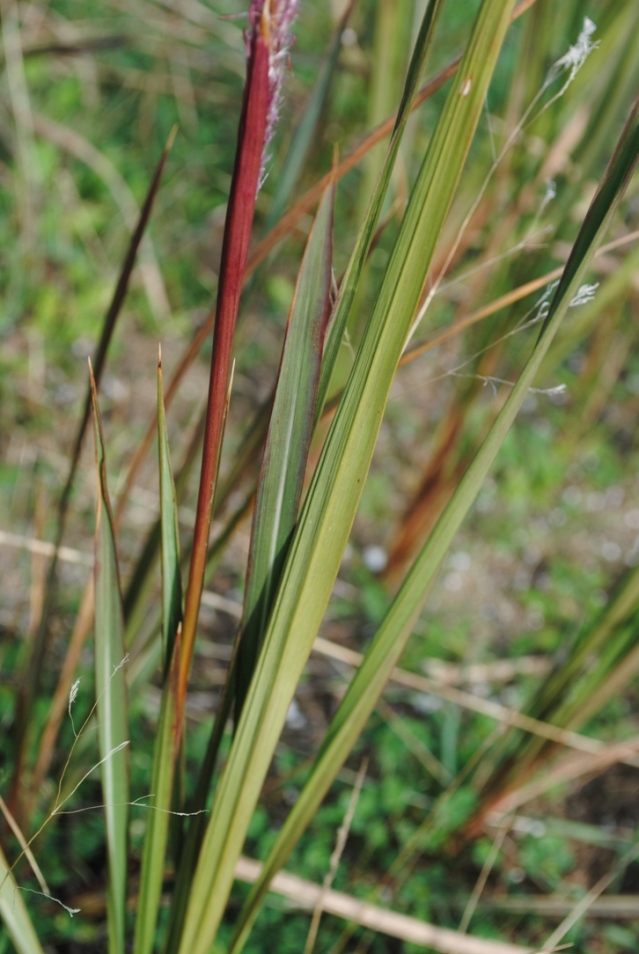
362, 634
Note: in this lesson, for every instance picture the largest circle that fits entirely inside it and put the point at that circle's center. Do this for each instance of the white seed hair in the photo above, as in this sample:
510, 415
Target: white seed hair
74, 692
585, 294
574, 58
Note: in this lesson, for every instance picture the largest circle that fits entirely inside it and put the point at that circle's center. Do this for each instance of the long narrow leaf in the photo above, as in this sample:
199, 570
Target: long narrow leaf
170, 547
167, 747
138, 593
390, 641
111, 696
288, 441
169, 731
323, 528
113, 312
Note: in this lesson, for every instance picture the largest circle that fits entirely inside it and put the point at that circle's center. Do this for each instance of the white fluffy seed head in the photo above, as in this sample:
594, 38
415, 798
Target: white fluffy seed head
576, 55
74, 692
585, 294
278, 16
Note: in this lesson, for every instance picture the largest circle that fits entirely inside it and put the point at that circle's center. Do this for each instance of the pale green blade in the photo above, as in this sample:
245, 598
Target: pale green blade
385, 650
169, 732
14, 913
111, 697
327, 515
288, 441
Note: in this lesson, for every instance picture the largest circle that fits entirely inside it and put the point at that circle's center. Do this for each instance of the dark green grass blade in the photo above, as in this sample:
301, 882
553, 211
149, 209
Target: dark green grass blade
388, 645
111, 697
617, 176
286, 452
111, 317
392, 33
170, 539
169, 731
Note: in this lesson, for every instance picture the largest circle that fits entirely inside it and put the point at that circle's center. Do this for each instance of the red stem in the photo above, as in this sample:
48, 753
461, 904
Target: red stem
237, 235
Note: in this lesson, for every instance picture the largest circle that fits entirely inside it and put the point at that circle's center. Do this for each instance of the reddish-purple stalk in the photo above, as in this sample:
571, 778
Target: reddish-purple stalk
267, 41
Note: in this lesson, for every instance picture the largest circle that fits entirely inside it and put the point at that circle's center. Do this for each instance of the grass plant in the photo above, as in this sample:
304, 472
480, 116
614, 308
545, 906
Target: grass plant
450, 281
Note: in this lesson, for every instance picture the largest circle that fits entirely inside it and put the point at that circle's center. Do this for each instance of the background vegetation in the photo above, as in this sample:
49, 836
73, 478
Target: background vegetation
494, 789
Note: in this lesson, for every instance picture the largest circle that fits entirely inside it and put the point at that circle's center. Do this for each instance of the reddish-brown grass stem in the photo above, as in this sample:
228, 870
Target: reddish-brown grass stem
237, 235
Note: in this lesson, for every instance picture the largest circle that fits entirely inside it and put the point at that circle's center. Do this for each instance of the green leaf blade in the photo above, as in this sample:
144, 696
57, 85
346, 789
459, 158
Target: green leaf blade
165, 754
169, 731
111, 695
288, 441
170, 539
